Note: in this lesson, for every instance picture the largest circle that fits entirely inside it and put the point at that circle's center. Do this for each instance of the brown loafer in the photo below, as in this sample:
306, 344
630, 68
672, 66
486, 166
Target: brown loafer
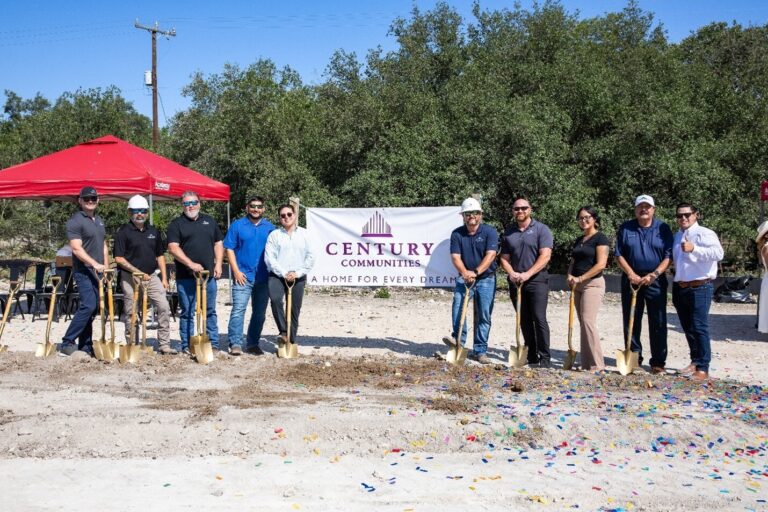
688, 370
658, 370
700, 375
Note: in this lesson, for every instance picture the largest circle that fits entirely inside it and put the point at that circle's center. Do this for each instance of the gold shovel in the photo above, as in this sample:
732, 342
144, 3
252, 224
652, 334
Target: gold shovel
100, 346
112, 345
570, 356
202, 343
130, 352
15, 285
286, 348
626, 360
46, 348
457, 354
518, 355
144, 298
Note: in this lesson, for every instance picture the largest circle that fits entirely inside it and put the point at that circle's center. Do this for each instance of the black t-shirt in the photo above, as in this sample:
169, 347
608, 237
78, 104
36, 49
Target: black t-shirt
196, 238
89, 230
585, 253
140, 247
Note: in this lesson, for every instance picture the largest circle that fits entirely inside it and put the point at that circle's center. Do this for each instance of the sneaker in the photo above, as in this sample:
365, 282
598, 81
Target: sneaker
67, 349
168, 351
545, 363
187, 352
448, 340
480, 358
658, 370
282, 338
236, 350
256, 351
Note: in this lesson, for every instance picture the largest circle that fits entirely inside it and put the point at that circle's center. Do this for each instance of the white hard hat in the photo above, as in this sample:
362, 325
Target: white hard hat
471, 205
137, 201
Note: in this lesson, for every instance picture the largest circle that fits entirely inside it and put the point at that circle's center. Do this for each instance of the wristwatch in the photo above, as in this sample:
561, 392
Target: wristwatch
655, 273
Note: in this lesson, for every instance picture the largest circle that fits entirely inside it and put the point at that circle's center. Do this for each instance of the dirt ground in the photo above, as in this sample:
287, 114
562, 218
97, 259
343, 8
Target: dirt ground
367, 419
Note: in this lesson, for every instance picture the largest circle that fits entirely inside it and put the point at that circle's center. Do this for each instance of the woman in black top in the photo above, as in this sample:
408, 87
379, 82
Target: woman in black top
585, 277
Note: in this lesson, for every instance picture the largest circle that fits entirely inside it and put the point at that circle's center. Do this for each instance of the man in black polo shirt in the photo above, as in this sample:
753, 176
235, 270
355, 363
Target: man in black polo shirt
86, 234
196, 243
139, 248
525, 252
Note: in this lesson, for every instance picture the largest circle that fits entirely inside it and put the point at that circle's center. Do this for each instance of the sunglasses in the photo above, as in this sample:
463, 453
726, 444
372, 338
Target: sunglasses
470, 214
681, 215
286, 215
135, 211
90, 199
190, 203
520, 208
254, 206
584, 218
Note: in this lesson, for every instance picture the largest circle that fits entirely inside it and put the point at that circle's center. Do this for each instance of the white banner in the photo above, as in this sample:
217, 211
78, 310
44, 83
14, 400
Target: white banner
383, 246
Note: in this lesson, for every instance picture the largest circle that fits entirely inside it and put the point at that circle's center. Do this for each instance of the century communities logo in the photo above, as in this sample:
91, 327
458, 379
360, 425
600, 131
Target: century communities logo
377, 227
159, 185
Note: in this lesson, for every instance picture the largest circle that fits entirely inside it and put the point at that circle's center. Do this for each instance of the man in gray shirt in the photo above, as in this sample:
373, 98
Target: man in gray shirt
87, 237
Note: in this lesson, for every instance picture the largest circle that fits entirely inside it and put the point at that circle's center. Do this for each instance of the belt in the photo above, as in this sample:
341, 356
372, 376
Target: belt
692, 284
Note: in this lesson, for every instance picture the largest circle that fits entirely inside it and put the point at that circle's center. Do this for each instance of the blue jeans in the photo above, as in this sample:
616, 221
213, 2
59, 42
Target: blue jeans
654, 297
186, 288
258, 294
81, 326
692, 305
482, 294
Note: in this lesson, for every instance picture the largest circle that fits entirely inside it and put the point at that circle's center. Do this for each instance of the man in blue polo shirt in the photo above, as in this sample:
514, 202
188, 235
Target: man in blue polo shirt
526, 249
473, 252
244, 243
643, 251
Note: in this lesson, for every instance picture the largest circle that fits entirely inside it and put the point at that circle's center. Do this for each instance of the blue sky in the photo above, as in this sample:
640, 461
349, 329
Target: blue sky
56, 46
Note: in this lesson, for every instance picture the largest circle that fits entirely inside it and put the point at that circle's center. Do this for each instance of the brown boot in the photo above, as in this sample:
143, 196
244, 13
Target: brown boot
700, 376
688, 370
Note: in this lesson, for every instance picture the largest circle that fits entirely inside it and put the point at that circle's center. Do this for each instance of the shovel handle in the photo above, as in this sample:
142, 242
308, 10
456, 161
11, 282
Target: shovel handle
289, 308
55, 280
571, 308
631, 323
519, 304
463, 317
14, 287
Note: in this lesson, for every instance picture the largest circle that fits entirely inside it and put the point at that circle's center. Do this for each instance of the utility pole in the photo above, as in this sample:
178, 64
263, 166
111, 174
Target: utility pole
167, 33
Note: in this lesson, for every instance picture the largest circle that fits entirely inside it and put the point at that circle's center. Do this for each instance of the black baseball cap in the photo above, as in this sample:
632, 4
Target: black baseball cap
88, 192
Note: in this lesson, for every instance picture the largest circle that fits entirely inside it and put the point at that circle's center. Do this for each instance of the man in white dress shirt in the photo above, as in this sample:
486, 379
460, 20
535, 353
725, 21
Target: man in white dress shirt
696, 251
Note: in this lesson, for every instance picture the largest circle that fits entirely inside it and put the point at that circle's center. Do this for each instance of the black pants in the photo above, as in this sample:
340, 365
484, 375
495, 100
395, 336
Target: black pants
533, 315
277, 291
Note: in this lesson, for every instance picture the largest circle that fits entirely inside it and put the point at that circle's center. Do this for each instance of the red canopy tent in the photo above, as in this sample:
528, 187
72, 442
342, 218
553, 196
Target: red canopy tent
114, 167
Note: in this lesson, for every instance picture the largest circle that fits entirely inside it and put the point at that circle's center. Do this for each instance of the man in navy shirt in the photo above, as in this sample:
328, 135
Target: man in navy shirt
643, 251
526, 249
473, 252
244, 243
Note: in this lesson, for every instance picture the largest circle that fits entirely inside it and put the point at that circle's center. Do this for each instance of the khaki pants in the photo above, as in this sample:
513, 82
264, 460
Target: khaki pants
157, 298
588, 298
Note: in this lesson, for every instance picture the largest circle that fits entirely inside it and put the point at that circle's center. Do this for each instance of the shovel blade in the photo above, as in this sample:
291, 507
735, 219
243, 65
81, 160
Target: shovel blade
286, 350
114, 349
45, 349
98, 350
130, 354
457, 355
518, 356
204, 351
626, 361
570, 359
3, 348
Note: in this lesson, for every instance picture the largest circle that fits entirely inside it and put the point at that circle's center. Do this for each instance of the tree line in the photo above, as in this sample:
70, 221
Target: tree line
567, 111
